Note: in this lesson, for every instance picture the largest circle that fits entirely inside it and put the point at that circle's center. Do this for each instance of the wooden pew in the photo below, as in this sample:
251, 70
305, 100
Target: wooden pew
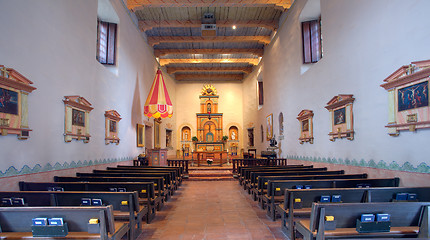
276, 189
248, 172
408, 219
16, 222
147, 195
158, 183
179, 170
174, 179
289, 214
244, 171
168, 183
134, 215
263, 182
251, 180
252, 162
255, 178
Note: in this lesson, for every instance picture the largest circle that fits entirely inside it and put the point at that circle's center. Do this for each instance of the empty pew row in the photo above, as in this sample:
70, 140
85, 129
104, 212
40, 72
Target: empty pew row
276, 189
146, 193
297, 203
258, 180
177, 172
125, 205
17, 223
158, 184
250, 162
251, 177
168, 187
406, 220
244, 172
261, 189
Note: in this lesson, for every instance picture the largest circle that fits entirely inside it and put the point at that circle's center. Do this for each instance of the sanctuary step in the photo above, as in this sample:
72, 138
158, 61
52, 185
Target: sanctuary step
210, 174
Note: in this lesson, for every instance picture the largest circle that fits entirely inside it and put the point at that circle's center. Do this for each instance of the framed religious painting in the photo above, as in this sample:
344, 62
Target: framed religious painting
14, 91
305, 118
408, 98
140, 135
112, 119
269, 127
76, 120
342, 124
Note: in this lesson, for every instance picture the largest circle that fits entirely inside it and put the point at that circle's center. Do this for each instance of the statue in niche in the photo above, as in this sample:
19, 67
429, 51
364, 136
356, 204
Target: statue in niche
209, 108
233, 135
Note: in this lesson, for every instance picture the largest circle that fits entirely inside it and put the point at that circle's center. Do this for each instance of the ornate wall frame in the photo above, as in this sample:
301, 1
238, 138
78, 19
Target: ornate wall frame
140, 135
408, 98
77, 119
14, 90
305, 118
342, 124
112, 119
269, 127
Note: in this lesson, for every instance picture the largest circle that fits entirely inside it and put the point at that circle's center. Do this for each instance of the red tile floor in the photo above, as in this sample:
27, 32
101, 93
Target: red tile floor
211, 210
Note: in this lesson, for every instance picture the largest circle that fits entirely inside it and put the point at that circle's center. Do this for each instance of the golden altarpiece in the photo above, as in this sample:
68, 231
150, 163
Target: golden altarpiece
209, 122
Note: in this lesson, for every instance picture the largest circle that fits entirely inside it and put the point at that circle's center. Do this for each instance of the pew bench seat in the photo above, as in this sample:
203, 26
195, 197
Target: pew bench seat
304, 225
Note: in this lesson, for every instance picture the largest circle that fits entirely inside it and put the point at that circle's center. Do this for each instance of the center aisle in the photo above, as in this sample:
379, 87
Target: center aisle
211, 210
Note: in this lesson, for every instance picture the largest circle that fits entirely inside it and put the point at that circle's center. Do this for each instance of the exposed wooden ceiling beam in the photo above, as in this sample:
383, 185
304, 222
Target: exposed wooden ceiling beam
255, 51
208, 76
254, 61
282, 4
145, 25
175, 39
171, 70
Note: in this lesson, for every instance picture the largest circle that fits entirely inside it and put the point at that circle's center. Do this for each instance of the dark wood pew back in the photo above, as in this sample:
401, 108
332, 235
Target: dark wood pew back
276, 188
348, 195
263, 180
180, 170
145, 190
19, 220
403, 215
246, 172
166, 176
61, 198
173, 180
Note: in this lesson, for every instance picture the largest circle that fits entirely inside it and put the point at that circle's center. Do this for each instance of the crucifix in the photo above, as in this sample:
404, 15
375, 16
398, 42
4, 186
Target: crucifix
4, 72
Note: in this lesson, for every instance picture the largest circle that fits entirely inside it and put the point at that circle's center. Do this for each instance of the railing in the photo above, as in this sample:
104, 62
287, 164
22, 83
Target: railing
178, 163
250, 162
141, 161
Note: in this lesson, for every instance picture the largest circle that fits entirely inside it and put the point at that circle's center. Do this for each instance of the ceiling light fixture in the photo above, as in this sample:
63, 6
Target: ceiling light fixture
234, 27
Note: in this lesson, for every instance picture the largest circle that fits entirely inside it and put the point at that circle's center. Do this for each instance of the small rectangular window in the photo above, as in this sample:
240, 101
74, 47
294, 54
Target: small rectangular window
312, 48
106, 42
260, 93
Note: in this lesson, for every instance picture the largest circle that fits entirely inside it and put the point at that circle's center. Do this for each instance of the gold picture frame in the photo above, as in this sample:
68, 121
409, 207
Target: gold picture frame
140, 135
269, 127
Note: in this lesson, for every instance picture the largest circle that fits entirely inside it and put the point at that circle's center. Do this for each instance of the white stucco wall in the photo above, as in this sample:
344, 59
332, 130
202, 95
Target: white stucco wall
53, 43
364, 42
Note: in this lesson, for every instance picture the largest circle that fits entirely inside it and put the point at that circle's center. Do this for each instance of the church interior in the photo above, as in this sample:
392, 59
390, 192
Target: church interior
213, 97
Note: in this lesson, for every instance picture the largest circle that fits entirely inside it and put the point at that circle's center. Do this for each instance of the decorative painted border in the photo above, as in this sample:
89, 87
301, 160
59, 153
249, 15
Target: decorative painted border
407, 166
12, 171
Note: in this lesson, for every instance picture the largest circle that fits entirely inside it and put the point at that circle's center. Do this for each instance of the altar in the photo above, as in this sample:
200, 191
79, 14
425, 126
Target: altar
218, 157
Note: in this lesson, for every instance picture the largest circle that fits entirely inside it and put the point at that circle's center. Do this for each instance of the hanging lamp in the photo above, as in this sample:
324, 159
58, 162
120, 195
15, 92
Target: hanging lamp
158, 104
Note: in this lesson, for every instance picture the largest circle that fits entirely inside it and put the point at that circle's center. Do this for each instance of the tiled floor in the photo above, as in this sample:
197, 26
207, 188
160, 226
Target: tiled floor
211, 210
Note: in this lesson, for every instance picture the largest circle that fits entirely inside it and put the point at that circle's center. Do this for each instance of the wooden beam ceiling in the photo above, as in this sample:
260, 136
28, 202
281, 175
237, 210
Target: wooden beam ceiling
172, 70
253, 61
209, 77
145, 25
255, 51
282, 4
180, 39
